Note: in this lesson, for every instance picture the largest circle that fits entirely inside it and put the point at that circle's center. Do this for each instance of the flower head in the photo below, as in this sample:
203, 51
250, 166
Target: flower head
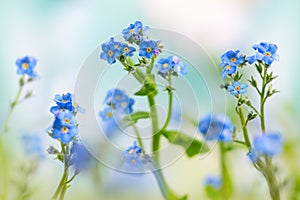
134, 32
268, 144
66, 118
132, 157
119, 100
33, 145
265, 52
65, 133
213, 181
80, 157
237, 88
171, 64
229, 61
164, 65
216, 127
26, 65
179, 67
148, 48
106, 114
111, 50
127, 50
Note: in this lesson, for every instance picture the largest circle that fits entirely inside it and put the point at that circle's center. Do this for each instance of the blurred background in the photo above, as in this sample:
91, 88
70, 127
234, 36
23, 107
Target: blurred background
61, 34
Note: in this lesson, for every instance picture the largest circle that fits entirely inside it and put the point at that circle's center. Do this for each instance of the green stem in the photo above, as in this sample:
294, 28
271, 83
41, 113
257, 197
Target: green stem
138, 135
4, 170
227, 185
4, 128
244, 127
262, 97
155, 129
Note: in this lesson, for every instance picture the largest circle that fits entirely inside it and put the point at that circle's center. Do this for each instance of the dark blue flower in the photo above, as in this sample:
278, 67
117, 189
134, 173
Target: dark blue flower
80, 157
216, 127
26, 65
127, 50
148, 48
65, 133
64, 101
229, 61
110, 51
132, 157
265, 52
213, 181
237, 88
164, 65
134, 32
106, 114
268, 144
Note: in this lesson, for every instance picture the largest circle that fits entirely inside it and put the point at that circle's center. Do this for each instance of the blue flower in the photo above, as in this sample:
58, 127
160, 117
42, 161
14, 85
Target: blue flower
26, 65
179, 67
64, 133
127, 50
265, 52
134, 32
64, 101
125, 105
164, 65
114, 96
132, 157
80, 157
148, 48
33, 145
106, 114
216, 127
110, 51
237, 88
229, 61
213, 181
268, 144
66, 118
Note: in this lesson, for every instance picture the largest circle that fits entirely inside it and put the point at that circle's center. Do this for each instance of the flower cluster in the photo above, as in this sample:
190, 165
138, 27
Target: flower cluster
64, 127
265, 52
133, 158
268, 144
26, 65
230, 61
171, 65
135, 33
216, 127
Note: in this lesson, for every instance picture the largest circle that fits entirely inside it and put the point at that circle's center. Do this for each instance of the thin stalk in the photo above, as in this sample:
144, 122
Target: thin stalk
227, 185
262, 97
244, 127
4, 170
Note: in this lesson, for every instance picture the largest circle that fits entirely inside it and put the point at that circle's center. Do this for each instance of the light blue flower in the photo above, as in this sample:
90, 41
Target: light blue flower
227, 70
265, 52
66, 118
125, 105
237, 88
178, 66
135, 32
63, 133
114, 96
216, 127
132, 158
213, 181
106, 114
164, 65
148, 48
127, 50
34, 145
80, 157
229, 61
111, 51
268, 144
26, 65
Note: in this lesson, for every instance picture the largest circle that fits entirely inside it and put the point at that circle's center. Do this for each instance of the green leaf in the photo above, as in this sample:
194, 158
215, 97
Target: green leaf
134, 117
253, 82
149, 87
191, 145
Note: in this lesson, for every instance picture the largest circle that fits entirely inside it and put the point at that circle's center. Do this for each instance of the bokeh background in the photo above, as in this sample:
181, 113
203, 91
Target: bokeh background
62, 34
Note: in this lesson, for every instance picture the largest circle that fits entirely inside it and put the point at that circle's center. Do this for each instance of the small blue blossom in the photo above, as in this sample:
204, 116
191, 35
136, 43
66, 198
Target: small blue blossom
64, 133
80, 157
66, 118
134, 32
125, 105
114, 96
106, 114
265, 52
179, 67
269, 144
127, 50
110, 51
229, 61
132, 157
237, 88
213, 181
33, 145
216, 127
148, 48
164, 65
65, 102
26, 65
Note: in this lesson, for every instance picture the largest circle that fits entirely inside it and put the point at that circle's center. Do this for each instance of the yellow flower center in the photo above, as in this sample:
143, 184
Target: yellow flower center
131, 31
165, 65
64, 101
133, 162
124, 104
116, 46
227, 67
130, 151
67, 120
148, 50
110, 53
118, 97
126, 49
109, 114
178, 68
25, 65
64, 129
268, 54
233, 59
237, 88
